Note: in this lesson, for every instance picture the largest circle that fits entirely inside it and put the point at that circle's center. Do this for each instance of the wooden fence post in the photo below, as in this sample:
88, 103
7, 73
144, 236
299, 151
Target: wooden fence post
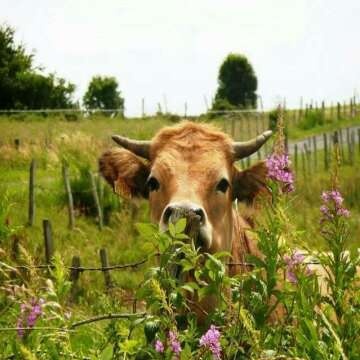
296, 157
233, 128
105, 264
326, 155
248, 127
65, 173
352, 148
17, 144
315, 152
142, 107
303, 161
48, 241
75, 275
341, 145
348, 141
75, 272
338, 114
308, 158
32, 193
96, 200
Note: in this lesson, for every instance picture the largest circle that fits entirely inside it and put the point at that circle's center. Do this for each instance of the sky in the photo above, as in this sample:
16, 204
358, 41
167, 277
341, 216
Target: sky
170, 51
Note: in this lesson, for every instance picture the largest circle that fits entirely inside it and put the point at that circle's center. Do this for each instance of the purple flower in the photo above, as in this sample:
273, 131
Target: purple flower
333, 205
278, 166
159, 346
174, 342
292, 263
211, 341
29, 313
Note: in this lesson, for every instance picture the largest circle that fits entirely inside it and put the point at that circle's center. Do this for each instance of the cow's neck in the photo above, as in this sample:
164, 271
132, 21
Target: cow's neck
242, 244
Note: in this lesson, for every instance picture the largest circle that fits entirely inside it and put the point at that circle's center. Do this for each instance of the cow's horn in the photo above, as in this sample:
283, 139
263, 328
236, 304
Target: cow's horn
243, 149
138, 147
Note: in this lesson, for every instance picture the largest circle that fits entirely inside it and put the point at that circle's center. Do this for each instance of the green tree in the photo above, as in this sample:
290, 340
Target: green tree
237, 83
102, 93
23, 86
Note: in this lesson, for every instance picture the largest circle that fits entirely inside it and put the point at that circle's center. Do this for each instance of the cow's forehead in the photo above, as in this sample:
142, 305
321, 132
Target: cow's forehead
191, 143
175, 162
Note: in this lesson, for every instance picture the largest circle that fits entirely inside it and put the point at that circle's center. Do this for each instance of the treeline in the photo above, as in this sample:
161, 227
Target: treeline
25, 86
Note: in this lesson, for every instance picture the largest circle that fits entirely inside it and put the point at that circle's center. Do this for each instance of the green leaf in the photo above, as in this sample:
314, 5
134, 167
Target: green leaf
146, 230
180, 226
182, 236
186, 353
172, 230
150, 330
188, 288
107, 353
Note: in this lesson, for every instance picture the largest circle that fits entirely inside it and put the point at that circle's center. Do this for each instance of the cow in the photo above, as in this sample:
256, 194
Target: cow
191, 167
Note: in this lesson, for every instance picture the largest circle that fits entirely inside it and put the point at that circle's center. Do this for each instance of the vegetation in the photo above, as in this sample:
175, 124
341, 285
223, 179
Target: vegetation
237, 83
305, 333
43, 308
103, 93
23, 86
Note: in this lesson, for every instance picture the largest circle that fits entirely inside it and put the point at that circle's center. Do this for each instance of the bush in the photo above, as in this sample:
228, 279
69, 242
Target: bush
83, 197
312, 119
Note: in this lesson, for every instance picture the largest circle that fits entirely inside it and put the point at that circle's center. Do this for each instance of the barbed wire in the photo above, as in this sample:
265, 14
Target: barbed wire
126, 266
14, 111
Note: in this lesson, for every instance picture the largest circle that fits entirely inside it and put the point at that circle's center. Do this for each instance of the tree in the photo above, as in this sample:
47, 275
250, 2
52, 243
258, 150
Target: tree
237, 83
22, 86
102, 93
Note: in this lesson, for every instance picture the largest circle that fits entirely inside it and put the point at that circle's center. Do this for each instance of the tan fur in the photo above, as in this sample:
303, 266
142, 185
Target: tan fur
124, 171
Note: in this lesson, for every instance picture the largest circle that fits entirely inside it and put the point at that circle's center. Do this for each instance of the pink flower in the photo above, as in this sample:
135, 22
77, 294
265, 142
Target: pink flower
211, 341
174, 342
278, 166
292, 263
333, 205
29, 313
159, 346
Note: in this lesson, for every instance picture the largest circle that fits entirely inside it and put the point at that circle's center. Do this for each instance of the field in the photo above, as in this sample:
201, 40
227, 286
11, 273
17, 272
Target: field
77, 142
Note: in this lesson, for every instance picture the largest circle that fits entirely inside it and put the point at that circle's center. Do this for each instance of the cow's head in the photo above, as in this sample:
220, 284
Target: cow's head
191, 167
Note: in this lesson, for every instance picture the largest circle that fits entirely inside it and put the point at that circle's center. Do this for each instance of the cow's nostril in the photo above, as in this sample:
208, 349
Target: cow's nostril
200, 212
167, 214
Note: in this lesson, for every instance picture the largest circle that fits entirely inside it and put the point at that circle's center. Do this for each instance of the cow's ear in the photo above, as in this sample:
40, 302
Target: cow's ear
250, 182
125, 172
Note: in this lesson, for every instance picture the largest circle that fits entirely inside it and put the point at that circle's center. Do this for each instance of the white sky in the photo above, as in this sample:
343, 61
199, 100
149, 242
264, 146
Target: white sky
173, 48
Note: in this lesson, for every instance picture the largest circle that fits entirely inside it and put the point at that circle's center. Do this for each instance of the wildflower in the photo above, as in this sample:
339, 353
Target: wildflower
174, 342
29, 313
333, 205
210, 340
159, 346
292, 263
278, 166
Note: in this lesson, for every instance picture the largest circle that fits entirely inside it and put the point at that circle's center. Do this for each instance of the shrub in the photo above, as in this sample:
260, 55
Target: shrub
312, 119
83, 196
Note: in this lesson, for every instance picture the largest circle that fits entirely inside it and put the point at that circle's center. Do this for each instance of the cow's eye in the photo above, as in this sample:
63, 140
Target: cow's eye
152, 184
222, 186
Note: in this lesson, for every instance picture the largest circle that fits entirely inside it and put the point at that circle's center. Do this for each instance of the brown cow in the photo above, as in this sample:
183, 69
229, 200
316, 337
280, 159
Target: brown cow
191, 166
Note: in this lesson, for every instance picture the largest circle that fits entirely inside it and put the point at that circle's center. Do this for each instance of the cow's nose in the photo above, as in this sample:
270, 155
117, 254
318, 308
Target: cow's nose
175, 211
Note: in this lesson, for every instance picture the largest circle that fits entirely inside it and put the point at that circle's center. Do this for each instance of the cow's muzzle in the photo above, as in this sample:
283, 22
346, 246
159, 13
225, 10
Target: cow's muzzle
197, 225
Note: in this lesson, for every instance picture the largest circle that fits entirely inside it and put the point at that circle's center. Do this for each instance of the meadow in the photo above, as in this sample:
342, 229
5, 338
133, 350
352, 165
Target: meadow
54, 140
